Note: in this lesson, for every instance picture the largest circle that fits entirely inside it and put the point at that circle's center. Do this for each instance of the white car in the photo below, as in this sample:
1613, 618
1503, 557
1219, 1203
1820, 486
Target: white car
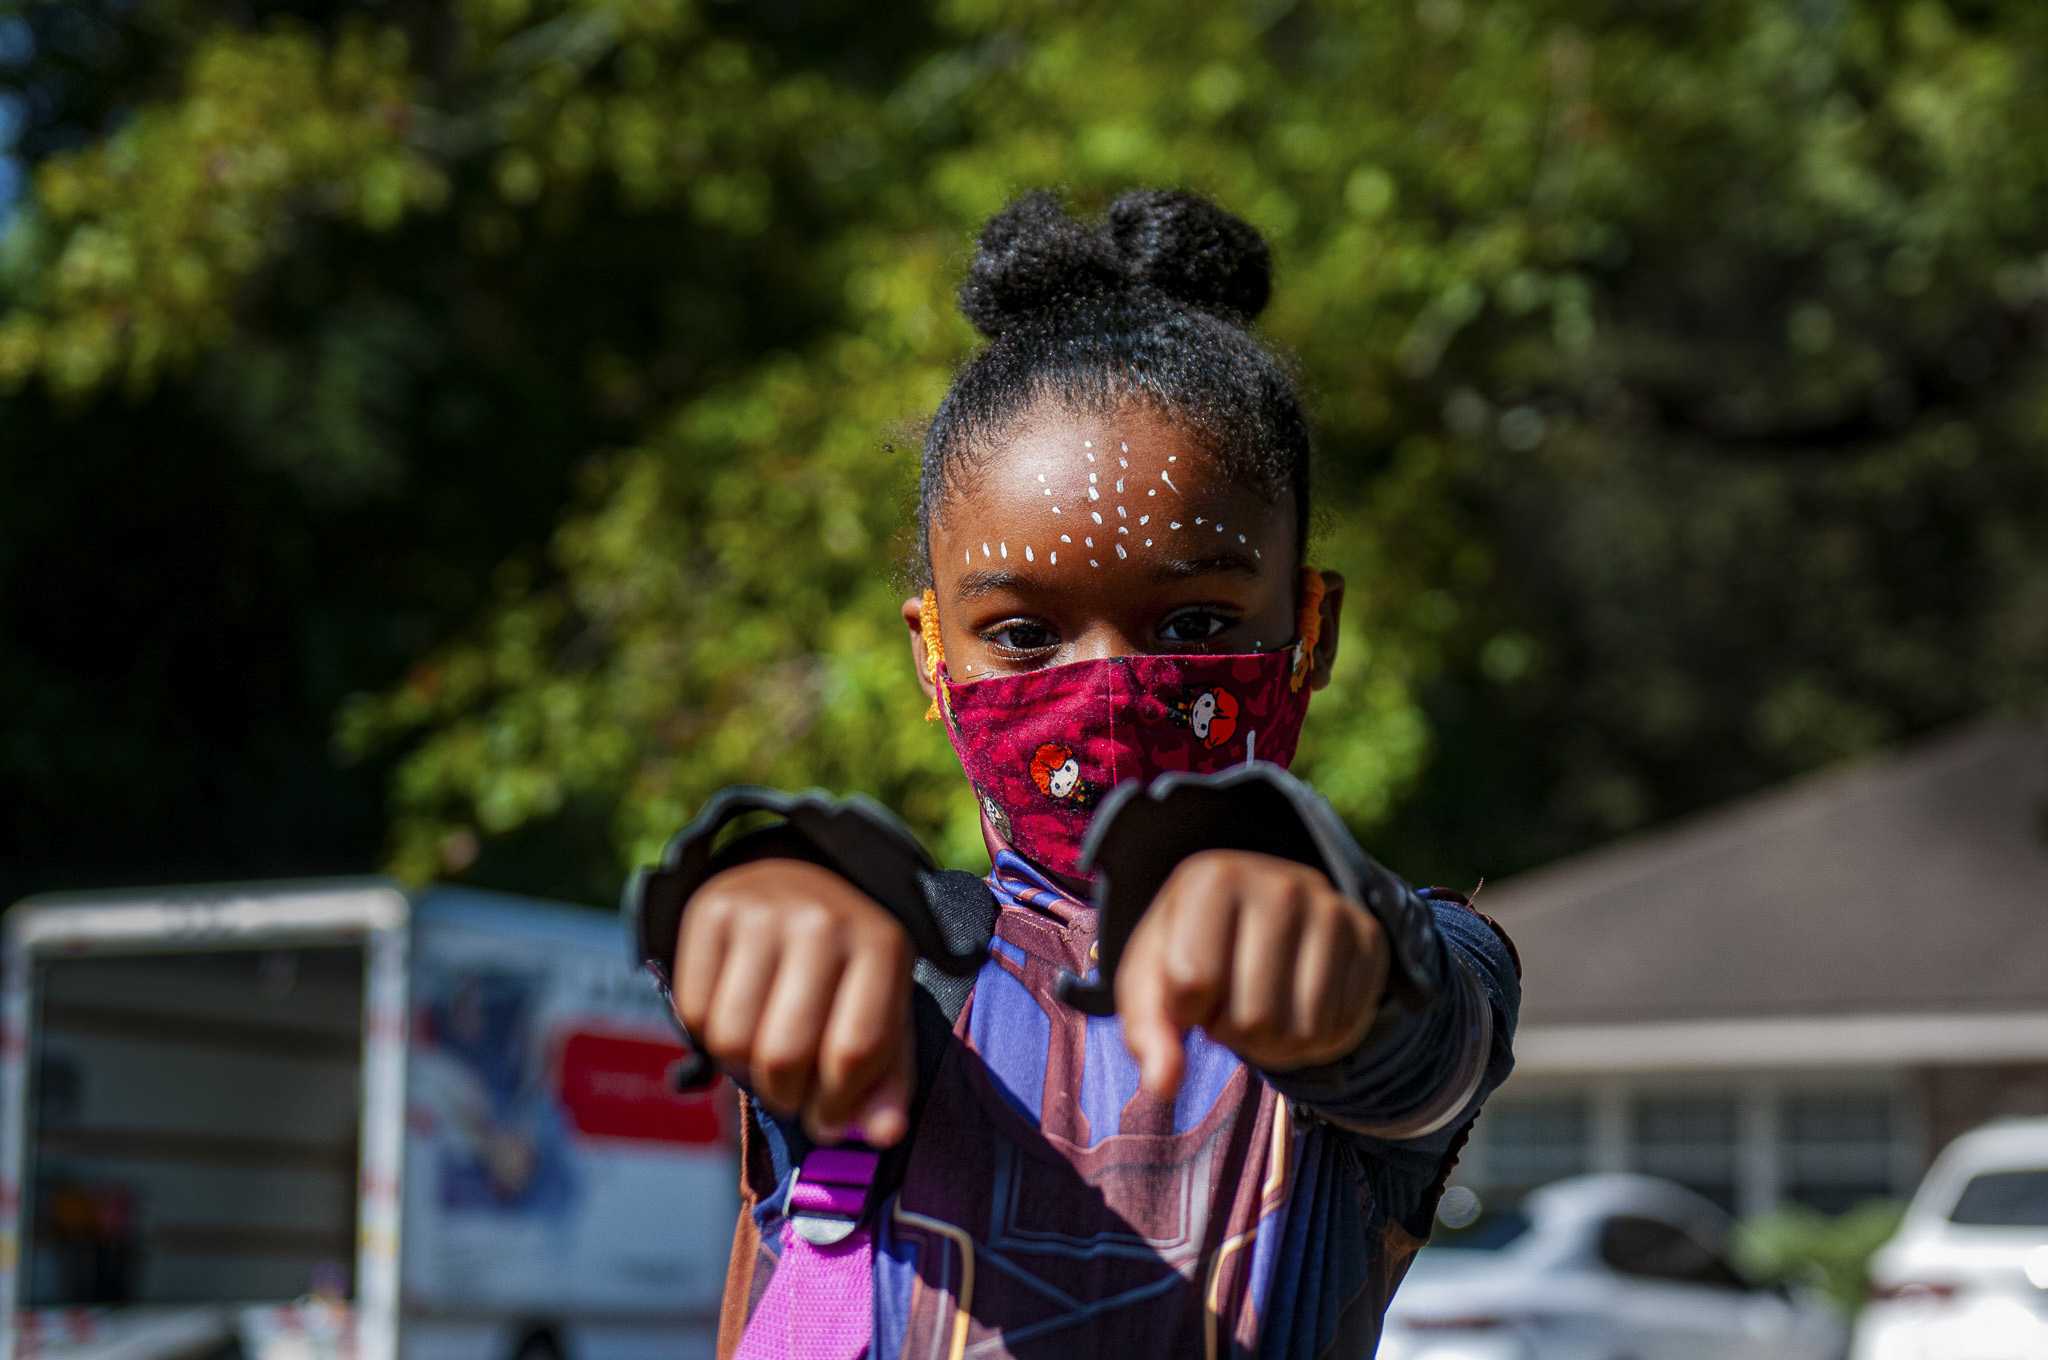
1600, 1268
1966, 1275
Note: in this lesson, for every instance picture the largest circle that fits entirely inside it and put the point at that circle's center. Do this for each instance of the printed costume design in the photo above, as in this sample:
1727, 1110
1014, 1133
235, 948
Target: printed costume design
1050, 1207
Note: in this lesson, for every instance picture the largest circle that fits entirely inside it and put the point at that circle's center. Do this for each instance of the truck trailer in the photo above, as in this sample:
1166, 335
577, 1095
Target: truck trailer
340, 1118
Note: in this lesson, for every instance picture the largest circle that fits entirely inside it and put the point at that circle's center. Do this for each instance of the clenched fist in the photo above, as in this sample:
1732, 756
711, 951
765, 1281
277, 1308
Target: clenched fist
1262, 953
798, 984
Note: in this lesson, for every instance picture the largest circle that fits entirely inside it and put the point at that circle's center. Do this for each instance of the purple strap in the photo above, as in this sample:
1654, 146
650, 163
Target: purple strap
820, 1303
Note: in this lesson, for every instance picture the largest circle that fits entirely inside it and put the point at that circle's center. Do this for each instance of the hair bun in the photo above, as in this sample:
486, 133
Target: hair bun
1034, 255
1192, 250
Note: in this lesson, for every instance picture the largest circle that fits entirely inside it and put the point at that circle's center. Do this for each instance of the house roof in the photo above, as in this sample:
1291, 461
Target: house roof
1910, 885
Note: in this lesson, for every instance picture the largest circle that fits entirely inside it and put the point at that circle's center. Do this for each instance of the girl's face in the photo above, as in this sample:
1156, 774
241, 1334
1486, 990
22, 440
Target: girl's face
1091, 537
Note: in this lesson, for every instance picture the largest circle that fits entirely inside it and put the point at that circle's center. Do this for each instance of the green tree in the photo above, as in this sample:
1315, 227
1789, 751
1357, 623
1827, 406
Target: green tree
1677, 366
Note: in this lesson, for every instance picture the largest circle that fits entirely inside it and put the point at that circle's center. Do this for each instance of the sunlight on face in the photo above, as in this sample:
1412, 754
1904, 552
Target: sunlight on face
1091, 536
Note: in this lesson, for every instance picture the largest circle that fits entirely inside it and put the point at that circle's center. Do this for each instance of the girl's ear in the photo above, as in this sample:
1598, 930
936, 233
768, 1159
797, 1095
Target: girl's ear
913, 615
1323, 660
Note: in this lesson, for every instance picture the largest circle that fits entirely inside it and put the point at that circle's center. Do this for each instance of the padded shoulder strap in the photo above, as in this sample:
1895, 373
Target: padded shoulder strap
963, 910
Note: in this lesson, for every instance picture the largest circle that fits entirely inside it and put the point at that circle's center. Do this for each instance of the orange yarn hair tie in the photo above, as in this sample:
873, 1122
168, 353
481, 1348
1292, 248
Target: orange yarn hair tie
934, 650
1308, 625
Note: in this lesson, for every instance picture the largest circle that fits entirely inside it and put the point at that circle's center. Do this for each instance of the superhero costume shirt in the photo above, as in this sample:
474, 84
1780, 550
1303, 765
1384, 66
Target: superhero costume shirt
1047, 1206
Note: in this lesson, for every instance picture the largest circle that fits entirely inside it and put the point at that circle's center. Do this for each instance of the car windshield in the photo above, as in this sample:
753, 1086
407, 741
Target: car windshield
2004, 1199
1489, 1232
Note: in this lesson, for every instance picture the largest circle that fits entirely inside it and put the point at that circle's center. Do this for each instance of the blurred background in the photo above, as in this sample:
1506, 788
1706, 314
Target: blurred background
455, 436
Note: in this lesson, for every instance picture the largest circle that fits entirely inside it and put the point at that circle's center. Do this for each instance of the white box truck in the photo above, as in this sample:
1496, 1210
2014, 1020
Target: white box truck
294, 1121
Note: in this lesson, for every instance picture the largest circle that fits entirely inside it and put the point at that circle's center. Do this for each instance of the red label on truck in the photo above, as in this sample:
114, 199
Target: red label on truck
616, 1086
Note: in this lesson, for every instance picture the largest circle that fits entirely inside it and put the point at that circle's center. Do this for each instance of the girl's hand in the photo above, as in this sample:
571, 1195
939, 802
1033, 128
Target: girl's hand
1262, 953
798, 984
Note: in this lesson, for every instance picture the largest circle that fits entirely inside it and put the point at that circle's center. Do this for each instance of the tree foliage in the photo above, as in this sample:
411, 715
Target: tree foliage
1677, 367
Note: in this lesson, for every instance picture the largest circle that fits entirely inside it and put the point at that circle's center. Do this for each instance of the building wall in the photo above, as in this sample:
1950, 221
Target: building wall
1957, 1099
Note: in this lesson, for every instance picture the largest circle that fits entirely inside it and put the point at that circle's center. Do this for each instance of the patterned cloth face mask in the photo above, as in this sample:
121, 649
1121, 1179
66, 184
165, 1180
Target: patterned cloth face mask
1041, 748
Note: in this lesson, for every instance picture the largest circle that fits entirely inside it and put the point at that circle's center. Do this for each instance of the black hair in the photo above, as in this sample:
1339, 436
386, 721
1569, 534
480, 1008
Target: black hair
1153, 303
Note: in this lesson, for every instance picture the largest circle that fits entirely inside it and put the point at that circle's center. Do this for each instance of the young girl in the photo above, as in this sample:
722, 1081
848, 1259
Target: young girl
1244, 1156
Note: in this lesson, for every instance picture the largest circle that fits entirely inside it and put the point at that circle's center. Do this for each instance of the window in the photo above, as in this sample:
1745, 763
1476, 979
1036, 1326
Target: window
1533, 1140
1646, 1249
2003, 1199
1827, 1145
1690, 1139
1839, 1148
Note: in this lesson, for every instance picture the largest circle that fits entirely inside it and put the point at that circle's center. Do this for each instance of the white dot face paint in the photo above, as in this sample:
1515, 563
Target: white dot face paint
1055, 475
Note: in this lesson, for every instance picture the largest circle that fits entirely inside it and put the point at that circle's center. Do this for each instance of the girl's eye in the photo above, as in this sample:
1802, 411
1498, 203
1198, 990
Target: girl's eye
1194, 625
1020, 636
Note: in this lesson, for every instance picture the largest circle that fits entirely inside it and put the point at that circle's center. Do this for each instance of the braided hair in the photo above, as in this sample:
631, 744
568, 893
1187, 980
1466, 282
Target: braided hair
1153, 303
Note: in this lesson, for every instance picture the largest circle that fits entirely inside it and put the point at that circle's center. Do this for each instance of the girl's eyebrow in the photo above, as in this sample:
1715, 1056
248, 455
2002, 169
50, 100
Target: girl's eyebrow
987, 581
1229, 562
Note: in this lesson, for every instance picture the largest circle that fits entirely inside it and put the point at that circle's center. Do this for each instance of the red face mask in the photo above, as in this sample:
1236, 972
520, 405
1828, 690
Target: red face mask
1042, 748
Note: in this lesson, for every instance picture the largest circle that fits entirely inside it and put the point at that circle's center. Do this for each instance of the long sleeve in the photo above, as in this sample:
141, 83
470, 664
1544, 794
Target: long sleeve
1418, 1079
1445, 1033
